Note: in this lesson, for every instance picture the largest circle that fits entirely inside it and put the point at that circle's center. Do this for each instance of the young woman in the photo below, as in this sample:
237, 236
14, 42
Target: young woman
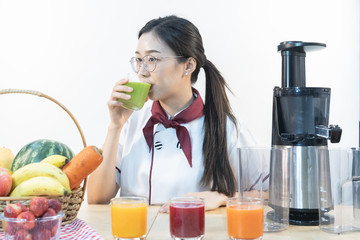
176, 144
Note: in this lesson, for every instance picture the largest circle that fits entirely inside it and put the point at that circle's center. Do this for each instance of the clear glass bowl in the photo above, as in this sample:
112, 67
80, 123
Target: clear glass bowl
46, 227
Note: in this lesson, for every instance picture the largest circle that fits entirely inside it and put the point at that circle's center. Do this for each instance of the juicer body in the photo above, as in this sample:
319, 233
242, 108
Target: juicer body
299, 116
301, 121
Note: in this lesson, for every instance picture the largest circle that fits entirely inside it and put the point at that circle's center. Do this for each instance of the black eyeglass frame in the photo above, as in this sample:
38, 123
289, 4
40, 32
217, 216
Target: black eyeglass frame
136, 67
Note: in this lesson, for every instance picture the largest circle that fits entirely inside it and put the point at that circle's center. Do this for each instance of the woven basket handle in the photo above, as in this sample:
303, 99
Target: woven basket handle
39, 94
72, 205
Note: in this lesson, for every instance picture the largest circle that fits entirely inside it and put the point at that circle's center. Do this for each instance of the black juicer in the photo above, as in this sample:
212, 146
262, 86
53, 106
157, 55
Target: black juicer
300, 120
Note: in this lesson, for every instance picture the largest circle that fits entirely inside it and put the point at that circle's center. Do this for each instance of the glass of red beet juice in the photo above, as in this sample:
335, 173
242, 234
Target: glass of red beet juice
187, 218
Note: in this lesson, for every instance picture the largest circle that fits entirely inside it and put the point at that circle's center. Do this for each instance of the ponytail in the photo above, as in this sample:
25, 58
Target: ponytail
185, 40
217, 168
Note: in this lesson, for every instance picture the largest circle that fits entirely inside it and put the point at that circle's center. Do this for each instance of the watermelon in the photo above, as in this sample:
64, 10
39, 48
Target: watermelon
38, 150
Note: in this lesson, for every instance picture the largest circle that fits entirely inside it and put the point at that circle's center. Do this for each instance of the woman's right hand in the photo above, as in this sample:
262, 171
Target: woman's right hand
118, 114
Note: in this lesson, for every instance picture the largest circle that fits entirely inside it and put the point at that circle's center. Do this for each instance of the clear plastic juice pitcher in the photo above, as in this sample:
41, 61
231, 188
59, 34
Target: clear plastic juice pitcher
344, 213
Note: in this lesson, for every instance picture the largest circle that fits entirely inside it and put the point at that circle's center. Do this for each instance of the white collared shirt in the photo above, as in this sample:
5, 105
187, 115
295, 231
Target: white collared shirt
169, 174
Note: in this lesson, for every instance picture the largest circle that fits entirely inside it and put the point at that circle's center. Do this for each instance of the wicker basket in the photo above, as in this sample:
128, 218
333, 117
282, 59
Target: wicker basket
70, 203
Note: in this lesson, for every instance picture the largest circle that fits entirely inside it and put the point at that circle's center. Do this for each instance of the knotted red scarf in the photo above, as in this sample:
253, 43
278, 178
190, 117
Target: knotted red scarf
194, 111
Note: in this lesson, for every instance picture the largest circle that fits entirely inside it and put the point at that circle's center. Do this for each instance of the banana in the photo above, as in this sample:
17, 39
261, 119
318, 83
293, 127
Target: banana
38, 186
39, 169
56, 160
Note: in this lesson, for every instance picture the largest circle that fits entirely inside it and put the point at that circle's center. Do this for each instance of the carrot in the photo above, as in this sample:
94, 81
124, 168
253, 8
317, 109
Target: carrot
84, 163
77, 185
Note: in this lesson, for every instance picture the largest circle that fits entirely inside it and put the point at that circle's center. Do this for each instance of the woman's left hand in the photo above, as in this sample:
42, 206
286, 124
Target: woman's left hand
212, 200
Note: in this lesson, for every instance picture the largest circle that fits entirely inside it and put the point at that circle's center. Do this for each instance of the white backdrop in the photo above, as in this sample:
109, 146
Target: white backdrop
74, 51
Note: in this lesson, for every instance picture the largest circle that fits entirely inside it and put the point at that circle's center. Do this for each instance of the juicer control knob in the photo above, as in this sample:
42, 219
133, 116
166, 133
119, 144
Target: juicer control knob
335, 133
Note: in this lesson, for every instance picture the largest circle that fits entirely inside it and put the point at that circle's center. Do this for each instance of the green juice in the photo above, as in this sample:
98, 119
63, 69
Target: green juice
138, 95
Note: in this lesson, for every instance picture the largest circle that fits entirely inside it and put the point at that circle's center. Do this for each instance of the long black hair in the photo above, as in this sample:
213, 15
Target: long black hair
185, 40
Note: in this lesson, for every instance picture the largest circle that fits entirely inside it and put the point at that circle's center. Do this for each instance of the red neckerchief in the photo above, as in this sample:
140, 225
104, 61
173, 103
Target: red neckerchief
194, 111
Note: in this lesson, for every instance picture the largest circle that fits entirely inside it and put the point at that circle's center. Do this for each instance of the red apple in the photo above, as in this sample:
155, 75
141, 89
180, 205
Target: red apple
55, 204
48, 223
23, 207
12, 210
30, 220
55, 230
5, 182
49, 213
22, 235
41, 234
9, 227
39, 205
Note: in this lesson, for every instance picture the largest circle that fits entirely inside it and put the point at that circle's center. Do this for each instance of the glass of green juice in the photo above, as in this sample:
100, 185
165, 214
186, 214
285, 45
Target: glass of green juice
138, 95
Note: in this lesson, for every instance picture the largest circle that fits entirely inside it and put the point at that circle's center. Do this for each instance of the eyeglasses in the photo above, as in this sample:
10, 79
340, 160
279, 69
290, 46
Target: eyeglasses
148, 62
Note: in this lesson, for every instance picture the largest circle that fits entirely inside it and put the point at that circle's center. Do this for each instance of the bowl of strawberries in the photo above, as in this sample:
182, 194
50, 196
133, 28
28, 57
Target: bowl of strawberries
41, 220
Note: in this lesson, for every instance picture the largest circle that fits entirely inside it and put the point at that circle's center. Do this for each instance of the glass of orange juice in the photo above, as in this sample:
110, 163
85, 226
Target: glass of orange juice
129, 218
245, 218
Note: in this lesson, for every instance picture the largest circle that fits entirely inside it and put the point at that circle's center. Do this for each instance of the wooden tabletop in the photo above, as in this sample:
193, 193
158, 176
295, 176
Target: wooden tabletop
98, 217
